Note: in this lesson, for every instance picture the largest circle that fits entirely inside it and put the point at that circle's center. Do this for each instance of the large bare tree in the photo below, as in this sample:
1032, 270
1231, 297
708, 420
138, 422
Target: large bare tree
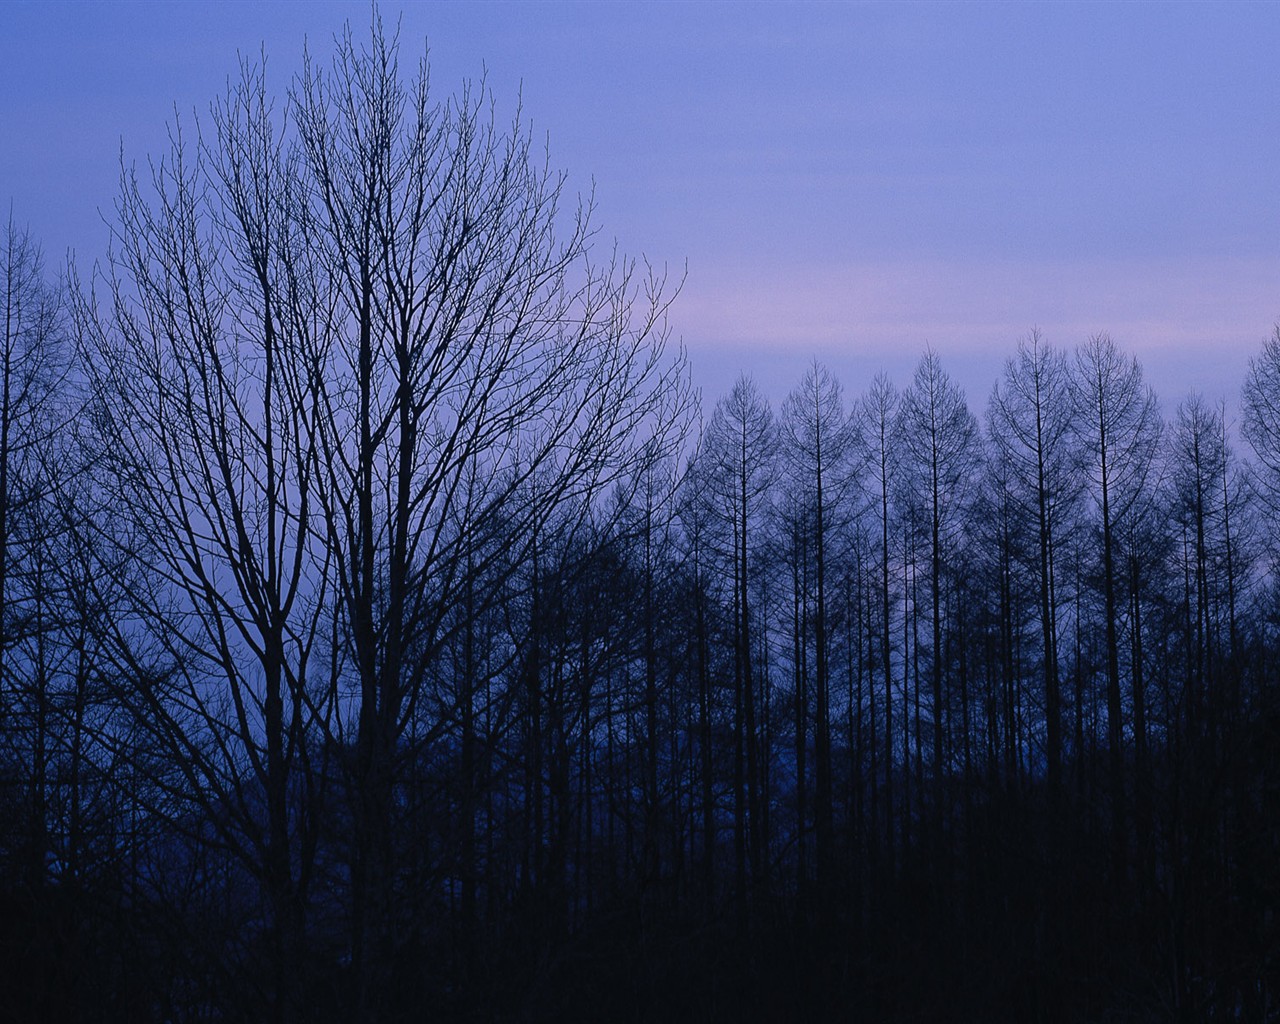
343, 335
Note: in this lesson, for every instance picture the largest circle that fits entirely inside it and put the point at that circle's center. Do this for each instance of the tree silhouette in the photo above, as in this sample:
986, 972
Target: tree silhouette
378, 641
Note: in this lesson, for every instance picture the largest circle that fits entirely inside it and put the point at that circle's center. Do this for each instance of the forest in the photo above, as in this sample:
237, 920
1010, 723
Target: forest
390, 632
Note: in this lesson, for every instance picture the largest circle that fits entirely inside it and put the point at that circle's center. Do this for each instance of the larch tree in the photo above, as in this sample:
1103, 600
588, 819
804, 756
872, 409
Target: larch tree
697, 518
876, 414
1261, 422
1031, 420
817, 449
1119, 429
740, 457
939, 436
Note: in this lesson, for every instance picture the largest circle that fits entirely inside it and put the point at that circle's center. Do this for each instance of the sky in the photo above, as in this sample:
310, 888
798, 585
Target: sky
845, 182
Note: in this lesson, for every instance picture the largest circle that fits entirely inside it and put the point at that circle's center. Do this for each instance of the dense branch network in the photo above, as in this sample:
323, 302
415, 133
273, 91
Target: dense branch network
379, 639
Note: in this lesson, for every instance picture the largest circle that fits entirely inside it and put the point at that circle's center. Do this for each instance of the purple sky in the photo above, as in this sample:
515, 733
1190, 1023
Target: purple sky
849, 182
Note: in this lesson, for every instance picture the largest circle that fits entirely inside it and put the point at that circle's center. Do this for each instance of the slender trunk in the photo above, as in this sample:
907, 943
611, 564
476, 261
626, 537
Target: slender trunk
704, 714
652, 810
6, 426
753, 774
467, 754
740, 699
801, 671
935, 586
1115, 725
822, 727
887, 665
1048, 624
371, 843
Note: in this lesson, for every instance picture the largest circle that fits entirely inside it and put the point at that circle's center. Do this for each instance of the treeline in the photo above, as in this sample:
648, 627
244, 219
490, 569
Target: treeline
381, 638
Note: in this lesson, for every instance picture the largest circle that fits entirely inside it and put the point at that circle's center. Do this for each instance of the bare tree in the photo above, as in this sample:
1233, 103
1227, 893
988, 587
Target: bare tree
1120, 429
817, 443
33, 412
1261, 425
697, 519
739, 454
472, 335
939, 436
33, 362
344, 339
206, 411
876, 414
1202, 485
1030, 424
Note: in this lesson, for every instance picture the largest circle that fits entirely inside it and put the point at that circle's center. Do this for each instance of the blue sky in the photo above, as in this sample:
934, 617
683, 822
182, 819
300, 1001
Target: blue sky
845, 181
